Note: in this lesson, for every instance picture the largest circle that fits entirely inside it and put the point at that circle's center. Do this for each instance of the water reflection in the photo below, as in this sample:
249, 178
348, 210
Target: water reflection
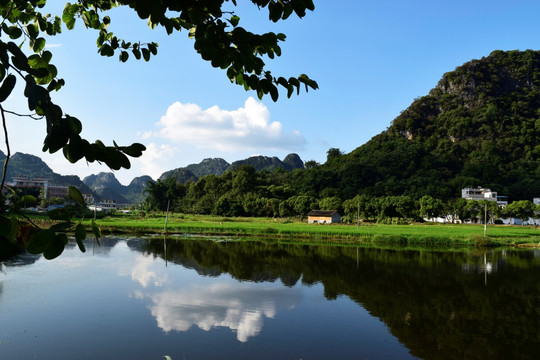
237, 306
439, 304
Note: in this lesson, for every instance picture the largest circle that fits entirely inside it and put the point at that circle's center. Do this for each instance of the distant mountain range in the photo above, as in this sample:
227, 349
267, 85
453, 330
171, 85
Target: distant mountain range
105, 185
218, 166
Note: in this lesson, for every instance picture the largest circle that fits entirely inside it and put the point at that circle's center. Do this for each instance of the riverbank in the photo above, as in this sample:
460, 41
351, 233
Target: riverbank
422, 234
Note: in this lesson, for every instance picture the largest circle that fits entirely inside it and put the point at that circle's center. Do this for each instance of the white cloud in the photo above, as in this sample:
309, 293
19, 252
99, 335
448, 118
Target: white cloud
245, 129
156, 159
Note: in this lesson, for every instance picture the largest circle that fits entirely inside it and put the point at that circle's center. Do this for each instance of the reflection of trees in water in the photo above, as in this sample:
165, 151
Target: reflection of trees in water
428, 301
22, 259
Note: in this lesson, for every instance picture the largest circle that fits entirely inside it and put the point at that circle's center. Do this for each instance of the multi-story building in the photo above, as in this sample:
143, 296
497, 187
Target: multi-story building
107, 204
478, 194
57, 191
41, 184
35, 183
88, 199
483, 194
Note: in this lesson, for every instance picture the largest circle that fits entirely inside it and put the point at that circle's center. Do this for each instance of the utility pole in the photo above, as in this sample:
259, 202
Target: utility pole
485, 220
167, 216
358, 218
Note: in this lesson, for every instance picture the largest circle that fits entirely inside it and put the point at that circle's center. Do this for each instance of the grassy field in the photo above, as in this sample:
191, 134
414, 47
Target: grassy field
299, 231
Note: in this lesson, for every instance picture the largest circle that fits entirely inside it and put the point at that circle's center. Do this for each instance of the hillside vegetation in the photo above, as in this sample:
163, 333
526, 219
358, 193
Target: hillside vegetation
480, 126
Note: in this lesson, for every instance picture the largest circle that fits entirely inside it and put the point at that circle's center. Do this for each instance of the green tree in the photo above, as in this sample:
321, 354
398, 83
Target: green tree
333, 153
311, 164
331, 203
302, 204
489, 209
430, 207
523, 209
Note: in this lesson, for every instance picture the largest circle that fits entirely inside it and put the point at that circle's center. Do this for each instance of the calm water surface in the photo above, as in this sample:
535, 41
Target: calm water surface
199, 299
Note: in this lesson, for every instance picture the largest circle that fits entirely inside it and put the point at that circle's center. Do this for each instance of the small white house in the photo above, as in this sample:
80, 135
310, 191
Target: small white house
323, 217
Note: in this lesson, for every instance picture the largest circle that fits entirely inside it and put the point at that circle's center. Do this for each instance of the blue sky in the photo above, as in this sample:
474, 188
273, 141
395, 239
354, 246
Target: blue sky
370, 59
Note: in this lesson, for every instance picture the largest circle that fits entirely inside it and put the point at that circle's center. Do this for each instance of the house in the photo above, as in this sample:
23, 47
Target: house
50, 191
478, 194
35, 183
483, 194
88, 198
108, 204
57, 191
323, 217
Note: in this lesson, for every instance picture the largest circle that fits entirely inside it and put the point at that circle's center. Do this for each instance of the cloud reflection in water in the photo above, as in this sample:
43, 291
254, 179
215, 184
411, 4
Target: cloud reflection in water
239, 306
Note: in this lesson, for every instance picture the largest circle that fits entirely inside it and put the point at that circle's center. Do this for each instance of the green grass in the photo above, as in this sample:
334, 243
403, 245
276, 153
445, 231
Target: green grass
419, 234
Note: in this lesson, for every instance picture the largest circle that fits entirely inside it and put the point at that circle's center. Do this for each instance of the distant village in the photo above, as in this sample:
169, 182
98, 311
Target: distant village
57, 196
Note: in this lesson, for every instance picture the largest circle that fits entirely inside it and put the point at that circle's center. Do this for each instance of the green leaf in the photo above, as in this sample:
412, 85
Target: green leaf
153, 48
5, 226
234, 20
33, 30
7, 87
80, 235
146, 54
74, 124
56, 247
96, 230
61, 227
106, 50
39, 44
75, 194
27, 199
273, 92
40, 241
74, 151
14, 32
13, 230
59, 214
124, 56
134, 150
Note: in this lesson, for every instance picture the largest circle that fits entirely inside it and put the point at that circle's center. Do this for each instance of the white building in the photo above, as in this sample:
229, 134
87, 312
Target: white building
108, 204
483, 194
35, 183
478, 194
88, 198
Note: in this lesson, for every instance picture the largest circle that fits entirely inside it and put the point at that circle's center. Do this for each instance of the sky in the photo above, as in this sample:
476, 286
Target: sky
371, 59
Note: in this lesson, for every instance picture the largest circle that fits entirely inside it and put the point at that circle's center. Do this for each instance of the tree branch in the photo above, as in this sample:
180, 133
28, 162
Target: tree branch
4, 171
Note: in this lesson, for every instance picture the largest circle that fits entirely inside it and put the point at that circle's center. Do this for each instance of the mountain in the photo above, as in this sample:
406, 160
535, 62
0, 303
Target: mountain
215, 166
218, 166
103, 180
106, 186
259, 162
478, 127
134, 192
293, 161
181, 175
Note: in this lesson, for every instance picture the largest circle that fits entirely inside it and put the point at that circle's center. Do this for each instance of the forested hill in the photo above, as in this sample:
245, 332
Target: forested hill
480, 126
